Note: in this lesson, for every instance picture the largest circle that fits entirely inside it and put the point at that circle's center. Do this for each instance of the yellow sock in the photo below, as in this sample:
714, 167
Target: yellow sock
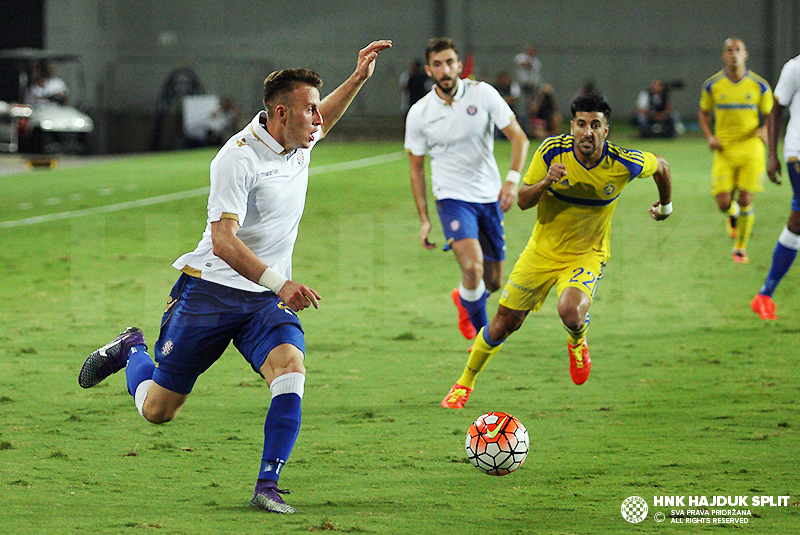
481, 354
734, 211
744, 226
576, 338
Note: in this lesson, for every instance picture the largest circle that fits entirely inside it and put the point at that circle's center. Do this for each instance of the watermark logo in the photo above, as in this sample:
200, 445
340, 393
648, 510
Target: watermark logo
634, 509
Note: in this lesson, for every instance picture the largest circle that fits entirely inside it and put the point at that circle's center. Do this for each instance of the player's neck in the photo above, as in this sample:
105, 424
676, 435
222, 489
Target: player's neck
592, 159
736, 73
448, 97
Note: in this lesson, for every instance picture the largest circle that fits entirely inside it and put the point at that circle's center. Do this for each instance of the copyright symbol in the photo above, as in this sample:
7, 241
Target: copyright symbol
659, 517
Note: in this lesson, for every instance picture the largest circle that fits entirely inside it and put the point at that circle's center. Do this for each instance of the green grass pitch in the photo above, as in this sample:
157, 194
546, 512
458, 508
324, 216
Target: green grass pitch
690, 394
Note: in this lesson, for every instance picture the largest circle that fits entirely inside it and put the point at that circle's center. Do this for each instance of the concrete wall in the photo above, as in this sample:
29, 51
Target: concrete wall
129, 48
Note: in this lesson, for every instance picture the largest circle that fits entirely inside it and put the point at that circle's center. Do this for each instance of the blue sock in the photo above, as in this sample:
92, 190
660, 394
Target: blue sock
140, 367
488, 339
782, 260
281, 426
477, 311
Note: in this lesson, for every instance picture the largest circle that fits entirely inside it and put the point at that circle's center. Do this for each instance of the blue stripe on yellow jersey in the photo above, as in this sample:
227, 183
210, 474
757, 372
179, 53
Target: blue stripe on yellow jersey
574, 215
739, 107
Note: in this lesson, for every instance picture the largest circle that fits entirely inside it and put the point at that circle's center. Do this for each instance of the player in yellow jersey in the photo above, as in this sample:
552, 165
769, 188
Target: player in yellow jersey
739, 100
575, 180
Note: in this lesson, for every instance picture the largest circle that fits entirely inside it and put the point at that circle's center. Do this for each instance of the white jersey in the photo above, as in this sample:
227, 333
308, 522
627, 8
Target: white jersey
256, 182
787, 91
460, 140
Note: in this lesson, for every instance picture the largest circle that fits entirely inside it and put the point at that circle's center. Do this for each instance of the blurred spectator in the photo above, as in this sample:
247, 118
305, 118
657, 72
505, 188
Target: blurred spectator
508, 89
414, 84
222, 123
529, 71
545, 115
46, 88
654, 114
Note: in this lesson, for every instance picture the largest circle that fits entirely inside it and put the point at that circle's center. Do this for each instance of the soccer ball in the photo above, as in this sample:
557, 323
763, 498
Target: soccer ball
497, 443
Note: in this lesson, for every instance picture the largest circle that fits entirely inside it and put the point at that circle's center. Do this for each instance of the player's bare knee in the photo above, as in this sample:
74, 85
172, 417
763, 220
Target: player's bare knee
473, 273
794, 223
158, 415
571, 317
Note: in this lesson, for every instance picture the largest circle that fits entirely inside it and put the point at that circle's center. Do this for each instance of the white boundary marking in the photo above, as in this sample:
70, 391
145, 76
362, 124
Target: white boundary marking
330, 168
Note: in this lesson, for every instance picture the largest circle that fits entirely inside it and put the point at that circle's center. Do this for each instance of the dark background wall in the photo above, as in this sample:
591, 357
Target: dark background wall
129, 48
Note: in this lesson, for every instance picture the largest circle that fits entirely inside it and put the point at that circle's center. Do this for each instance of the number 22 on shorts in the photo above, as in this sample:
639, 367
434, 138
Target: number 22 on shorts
585, 277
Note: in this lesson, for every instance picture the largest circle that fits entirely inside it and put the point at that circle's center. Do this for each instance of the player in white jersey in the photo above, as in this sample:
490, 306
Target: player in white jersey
236, 285
455, 124
787, 94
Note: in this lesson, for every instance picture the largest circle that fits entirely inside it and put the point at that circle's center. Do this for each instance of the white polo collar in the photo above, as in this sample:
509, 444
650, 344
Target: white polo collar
460, 90
261, 134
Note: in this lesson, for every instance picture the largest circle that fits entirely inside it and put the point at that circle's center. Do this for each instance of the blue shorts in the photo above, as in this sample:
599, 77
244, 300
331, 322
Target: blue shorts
793, 165
201, 320
484, 222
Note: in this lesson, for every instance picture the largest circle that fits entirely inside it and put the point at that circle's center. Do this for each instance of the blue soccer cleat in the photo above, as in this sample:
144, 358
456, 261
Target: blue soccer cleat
110, 358
268, 497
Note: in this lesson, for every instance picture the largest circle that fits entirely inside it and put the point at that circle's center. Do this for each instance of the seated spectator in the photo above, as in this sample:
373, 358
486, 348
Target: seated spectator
545, 115
654, 114
508, 89
46, 88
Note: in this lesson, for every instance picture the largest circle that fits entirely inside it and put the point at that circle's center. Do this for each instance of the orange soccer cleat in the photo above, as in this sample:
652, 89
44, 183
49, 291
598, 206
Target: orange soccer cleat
579, 362
740, 256
457, 397
764, 306
464, 323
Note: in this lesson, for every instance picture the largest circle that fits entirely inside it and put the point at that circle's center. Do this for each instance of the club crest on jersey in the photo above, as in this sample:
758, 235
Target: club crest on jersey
609, 189
455, 225
167, 348
472, 110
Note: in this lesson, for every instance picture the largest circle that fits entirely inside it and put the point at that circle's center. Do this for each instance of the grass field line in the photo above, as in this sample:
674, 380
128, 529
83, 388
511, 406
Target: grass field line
199, 192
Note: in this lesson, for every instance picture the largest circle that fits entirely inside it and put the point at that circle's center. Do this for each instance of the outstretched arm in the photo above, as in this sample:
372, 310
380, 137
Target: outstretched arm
663, 179
334, 105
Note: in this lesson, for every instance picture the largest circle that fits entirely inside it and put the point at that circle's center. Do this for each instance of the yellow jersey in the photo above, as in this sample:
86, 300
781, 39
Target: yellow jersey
736, 105
574, 215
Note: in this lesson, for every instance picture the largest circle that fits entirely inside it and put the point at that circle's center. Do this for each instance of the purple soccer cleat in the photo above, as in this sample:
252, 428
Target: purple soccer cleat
268, 497
110, 358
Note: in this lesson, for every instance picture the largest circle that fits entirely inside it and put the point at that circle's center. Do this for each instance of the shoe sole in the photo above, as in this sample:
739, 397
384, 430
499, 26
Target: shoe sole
89, 375
271, 506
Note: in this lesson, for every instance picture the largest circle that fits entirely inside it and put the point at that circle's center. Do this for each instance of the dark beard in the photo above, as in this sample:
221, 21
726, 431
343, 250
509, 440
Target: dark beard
449, 92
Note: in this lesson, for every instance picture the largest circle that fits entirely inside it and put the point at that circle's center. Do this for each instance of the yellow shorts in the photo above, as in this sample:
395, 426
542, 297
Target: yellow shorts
534, 275
739, 166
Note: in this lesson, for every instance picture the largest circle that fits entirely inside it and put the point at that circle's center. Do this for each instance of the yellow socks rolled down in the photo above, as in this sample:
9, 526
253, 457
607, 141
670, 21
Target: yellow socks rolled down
481, 353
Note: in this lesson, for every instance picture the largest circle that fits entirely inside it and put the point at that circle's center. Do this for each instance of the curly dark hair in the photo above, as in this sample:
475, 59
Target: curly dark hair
591, 102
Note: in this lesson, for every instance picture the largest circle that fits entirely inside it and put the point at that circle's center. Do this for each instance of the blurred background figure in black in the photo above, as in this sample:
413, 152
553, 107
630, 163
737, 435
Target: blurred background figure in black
654, 114
414, 84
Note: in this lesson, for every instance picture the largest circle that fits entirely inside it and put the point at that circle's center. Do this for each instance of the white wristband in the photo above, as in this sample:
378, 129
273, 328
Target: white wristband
665, 209
513, 176
272, 279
